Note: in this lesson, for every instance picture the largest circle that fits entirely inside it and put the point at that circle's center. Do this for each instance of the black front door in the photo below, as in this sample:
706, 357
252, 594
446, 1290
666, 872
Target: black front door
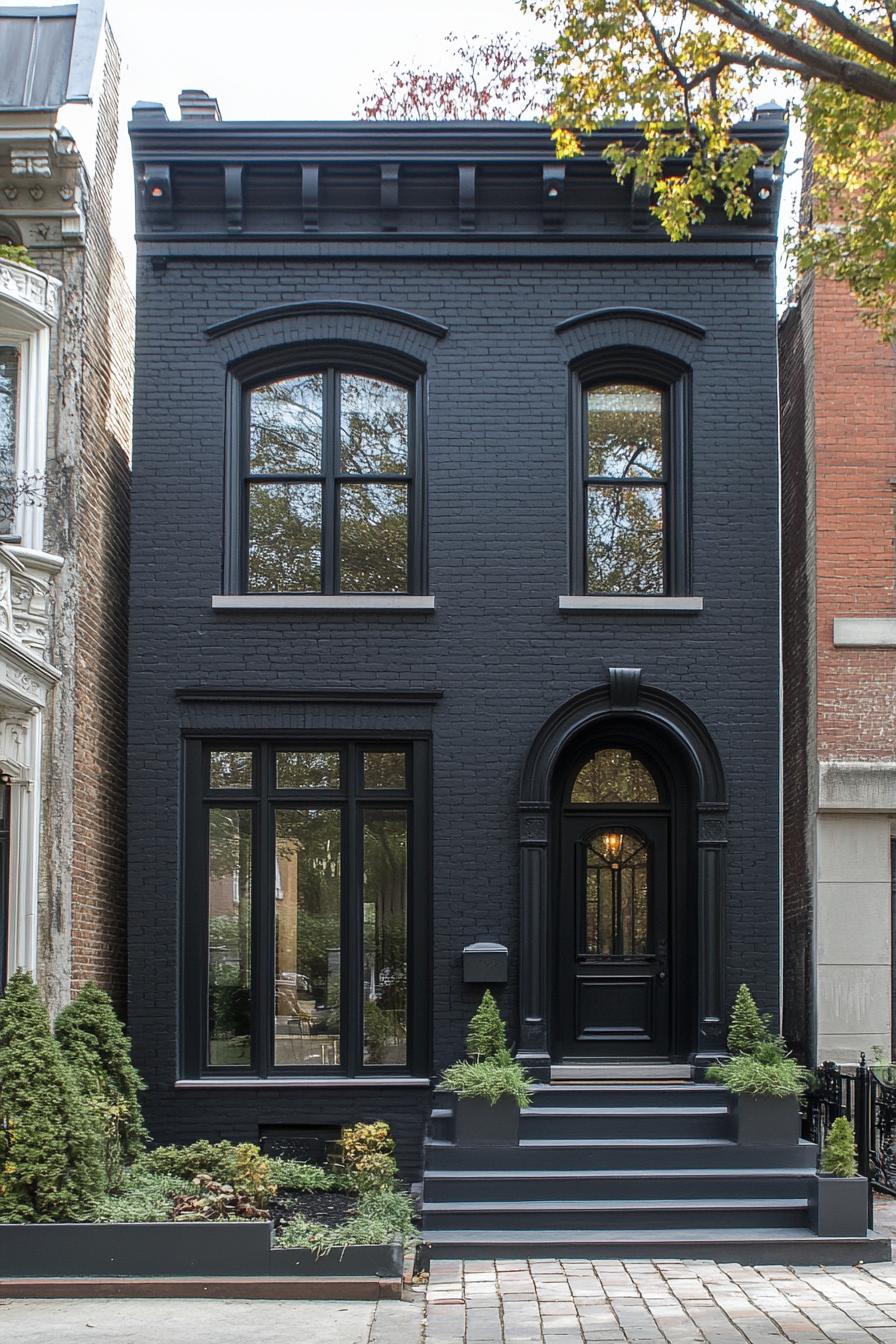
613, 991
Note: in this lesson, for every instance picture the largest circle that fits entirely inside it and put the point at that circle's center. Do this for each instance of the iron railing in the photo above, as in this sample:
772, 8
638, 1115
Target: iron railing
869, 1102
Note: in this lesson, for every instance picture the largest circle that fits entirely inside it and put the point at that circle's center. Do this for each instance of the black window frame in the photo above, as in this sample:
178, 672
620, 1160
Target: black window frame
264, 799
665, 374
329, 358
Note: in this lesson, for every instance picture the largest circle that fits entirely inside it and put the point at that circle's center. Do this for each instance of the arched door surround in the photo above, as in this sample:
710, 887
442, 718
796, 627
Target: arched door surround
675, 729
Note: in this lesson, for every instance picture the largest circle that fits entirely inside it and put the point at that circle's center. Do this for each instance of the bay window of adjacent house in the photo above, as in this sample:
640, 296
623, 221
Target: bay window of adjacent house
303, 907
330, 482
9, 416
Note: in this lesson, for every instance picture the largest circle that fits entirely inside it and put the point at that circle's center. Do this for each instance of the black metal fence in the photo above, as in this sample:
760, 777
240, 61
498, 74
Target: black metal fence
869, 1101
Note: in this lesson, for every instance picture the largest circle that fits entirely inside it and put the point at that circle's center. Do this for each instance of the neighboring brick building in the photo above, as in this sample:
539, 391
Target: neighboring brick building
454, 616
66, 331
838, 393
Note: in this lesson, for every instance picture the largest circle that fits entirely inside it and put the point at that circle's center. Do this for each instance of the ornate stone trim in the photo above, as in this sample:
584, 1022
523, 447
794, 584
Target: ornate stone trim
30, 290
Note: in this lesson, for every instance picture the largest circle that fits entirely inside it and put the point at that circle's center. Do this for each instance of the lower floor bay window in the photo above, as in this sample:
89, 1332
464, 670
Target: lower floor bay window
304, 912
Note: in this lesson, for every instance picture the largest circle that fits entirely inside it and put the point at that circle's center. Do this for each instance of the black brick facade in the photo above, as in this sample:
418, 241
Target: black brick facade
497, 461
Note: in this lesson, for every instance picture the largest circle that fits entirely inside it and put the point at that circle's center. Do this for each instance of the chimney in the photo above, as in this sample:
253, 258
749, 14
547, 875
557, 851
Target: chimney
197, 105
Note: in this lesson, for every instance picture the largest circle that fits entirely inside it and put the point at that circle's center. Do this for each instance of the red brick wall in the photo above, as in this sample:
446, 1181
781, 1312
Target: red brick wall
855, 417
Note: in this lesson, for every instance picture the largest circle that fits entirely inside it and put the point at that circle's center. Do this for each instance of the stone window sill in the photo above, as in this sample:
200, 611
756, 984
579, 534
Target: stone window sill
865, 632
382, 1080
337, 602
672, 606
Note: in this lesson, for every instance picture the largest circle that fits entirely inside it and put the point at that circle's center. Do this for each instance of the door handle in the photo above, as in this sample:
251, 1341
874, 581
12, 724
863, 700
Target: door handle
662, 975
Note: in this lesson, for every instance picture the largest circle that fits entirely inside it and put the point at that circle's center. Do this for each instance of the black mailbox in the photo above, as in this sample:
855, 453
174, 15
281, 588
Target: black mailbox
485, 964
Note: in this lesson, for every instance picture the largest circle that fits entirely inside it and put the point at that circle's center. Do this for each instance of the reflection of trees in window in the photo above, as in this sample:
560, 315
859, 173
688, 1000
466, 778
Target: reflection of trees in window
625, 490
614, 775
229, 935
328, 485
385, 886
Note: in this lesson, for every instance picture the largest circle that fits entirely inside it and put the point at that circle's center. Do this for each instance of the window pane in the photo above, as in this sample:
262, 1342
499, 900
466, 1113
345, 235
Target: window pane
374, 426
385, 935
284, 538
229, 936
230, 769
307, 889
385, 770
373, 538
286, 426
614, 775
625, 539
9, 390
616, 890
625, 431
308, 770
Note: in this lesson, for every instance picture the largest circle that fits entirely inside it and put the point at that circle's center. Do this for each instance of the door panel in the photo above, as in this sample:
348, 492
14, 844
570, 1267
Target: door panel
613, 935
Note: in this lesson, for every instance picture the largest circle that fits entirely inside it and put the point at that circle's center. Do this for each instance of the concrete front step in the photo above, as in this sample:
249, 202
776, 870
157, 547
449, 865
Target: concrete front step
611, 1215
657, 1155
608, 1122
639, 1095
746, 1182
750, 1246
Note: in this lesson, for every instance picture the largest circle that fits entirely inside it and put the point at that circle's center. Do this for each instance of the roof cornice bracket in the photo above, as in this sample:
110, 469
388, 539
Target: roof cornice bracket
389, 195
233, 196
310, 197
553, 178
466, 184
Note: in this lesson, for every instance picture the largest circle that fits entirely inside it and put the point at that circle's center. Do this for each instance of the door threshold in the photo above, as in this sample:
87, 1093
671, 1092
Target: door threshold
621, 1073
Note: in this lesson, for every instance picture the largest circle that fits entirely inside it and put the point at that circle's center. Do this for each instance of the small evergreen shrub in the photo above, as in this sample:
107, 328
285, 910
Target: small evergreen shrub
98, 1053
486, 1035
771, 1072
748, 1029
144, 1196
839, 1155
490, 1079
50, 1160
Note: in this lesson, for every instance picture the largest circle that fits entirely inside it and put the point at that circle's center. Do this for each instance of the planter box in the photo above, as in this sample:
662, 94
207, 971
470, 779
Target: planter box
840, 1206
177, 1250
767, 1120
477, 1122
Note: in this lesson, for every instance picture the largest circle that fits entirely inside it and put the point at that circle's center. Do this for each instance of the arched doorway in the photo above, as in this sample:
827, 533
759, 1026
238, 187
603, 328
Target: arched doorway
622, 843
620, 937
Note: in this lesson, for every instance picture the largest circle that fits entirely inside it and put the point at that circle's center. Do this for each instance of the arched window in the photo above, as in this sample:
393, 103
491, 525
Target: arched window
330, 470
630, 494
614, 775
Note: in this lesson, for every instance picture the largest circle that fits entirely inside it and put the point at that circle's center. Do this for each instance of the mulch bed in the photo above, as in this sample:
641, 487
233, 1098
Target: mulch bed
329, 1207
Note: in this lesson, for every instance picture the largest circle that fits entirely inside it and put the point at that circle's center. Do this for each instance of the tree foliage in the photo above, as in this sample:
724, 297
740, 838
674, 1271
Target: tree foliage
50, 1167
486, 1034
690, 69
748, 1029
839, 1155
98, 1052
489, 79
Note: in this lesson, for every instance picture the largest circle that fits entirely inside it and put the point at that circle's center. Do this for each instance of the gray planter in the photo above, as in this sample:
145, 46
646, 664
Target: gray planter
840, 1206
176, 1250
477, 1122
767, 1120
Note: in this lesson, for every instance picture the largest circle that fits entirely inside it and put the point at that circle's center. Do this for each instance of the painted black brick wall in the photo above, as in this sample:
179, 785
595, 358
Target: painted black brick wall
497, 645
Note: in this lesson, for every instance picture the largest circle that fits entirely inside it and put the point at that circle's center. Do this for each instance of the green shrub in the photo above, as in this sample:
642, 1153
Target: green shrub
486, 1035
98, 1053
50, 1164
839, 1155
769, 1073
748, 1029
15, 252
373, 1172
490, 1079
242, 1166
288, 1174
362, 1140
144, 1197
380, 1217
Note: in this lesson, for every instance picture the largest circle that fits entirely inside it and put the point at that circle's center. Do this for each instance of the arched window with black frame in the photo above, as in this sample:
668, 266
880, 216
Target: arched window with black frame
630, 489
329, 498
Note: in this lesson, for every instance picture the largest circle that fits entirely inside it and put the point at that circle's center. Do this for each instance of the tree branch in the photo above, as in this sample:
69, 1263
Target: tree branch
856, 33
818, 64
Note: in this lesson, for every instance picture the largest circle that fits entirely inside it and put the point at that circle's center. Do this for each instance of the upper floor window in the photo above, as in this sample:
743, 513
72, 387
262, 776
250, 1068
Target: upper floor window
330, 483
9, 399
629, 506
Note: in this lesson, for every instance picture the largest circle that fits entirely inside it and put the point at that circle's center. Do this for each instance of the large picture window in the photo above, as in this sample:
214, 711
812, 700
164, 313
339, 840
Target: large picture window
630, 525
303, 912
329, 492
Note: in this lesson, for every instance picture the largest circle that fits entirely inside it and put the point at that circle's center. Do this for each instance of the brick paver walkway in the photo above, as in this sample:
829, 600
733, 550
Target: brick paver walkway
679, 1301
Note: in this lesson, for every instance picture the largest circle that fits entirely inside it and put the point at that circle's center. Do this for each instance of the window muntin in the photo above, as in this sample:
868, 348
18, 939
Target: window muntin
614, 775
626, 482
329, 484
302, 903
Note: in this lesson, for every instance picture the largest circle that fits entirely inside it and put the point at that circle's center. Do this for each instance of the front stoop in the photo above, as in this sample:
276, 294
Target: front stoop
627, 1171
